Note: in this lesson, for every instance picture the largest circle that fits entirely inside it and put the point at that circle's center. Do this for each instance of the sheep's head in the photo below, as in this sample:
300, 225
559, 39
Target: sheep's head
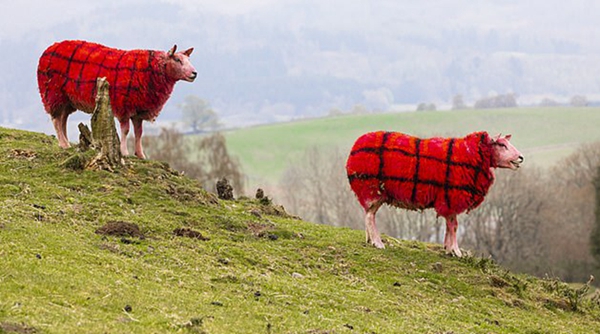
505, 154
179, 66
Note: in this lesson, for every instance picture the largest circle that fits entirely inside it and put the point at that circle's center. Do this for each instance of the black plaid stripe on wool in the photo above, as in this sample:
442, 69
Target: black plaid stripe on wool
446, 185
55, 55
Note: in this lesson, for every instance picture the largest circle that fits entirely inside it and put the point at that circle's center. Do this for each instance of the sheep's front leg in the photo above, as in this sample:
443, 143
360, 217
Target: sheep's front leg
60, 125
124, 132
137, 129
61, 135
450, 243
373, 236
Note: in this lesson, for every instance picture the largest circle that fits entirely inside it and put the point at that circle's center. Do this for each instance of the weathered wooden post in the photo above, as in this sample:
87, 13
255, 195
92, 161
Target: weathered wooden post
104, 133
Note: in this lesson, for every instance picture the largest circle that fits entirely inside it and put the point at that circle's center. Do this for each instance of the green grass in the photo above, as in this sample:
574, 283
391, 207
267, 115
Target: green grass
257, 273
544, 135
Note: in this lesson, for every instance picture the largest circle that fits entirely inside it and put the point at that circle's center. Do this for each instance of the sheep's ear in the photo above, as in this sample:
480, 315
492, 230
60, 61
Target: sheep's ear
188, 52
172, 51
496, 138
507, 137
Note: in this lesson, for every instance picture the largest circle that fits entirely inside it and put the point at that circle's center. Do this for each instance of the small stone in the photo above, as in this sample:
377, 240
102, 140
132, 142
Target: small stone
297, 275
128, 308
437, 267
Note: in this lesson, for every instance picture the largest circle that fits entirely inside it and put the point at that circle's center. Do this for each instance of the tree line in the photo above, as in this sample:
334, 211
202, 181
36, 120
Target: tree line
497, 101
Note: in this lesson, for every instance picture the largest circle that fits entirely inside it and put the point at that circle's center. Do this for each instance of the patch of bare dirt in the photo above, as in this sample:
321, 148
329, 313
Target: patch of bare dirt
121, 229
22, 154
498, 282
9, 327
260, 229
272, 210
189, 233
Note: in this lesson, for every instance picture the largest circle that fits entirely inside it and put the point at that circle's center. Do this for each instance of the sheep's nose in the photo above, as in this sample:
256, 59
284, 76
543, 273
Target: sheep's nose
521, 158
194, 75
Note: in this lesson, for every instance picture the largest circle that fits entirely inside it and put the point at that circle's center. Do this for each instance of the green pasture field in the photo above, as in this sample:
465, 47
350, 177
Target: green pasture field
198, 264
544, 135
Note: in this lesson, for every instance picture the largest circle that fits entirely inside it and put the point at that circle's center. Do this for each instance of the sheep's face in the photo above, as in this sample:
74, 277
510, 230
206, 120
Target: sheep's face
505, 154
179, 66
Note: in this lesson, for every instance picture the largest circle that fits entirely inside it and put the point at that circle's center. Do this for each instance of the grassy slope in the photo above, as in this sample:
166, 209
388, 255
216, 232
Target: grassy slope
542, 134
266, 274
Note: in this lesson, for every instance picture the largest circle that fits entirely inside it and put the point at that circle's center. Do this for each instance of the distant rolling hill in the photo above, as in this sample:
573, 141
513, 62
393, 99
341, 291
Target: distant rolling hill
544, 135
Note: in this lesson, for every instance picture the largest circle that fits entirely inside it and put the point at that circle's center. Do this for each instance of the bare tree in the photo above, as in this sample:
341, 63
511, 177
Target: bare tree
316, 188
217, 163
508, 223
203, 158
579, 101
580, 167
458, 103
570, 215
197, 114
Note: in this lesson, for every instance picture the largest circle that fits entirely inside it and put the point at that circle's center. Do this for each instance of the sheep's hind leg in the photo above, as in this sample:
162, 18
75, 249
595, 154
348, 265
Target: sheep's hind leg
450, 242
137, 129
124, 132
373, 236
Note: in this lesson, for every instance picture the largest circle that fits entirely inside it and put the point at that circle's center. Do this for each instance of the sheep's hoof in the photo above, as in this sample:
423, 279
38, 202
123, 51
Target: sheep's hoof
378, 244
454, 252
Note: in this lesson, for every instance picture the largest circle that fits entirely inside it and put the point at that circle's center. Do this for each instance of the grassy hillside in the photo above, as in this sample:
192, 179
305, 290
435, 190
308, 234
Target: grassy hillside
543, 134
201, 265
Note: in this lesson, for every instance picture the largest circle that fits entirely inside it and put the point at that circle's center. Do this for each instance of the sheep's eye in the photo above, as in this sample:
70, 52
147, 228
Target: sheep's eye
178, 60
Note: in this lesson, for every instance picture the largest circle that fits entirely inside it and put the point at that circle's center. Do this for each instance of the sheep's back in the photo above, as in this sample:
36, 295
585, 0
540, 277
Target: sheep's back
72, 67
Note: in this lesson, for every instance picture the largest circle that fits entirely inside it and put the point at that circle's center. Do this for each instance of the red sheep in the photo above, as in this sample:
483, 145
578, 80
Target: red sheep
451, 175
140, 81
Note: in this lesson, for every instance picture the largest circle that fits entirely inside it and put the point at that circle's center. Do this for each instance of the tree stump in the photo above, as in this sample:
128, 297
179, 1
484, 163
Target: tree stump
224, 189
85, 137
104, 133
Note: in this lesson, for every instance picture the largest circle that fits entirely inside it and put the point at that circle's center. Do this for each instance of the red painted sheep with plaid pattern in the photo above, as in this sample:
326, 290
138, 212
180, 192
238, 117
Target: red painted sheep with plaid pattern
140, 81
451, 175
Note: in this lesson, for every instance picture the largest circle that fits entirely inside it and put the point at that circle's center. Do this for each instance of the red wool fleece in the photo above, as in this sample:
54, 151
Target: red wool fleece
450, 175
68, 70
